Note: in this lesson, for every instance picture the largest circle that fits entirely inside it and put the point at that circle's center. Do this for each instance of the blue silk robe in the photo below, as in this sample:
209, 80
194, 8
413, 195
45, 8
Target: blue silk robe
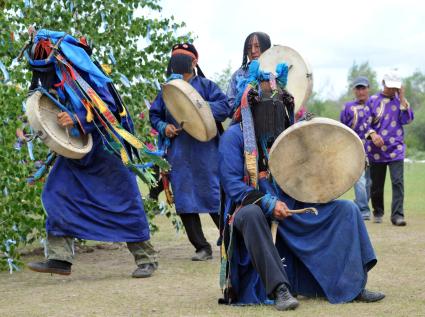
326, 255
96, 197
194, 164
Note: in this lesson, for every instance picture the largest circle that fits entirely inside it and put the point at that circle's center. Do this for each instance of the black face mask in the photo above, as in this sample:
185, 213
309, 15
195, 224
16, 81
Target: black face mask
270, 118
44, 78
180, 64
42, 75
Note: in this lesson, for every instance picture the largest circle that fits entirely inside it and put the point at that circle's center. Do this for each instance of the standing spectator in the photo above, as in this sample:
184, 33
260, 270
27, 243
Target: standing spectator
356, 115
390, 111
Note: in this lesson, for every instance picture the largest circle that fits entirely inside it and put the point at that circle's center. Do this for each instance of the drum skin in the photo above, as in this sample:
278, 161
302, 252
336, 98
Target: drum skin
300, 76
317, 161
42, 117
189, 109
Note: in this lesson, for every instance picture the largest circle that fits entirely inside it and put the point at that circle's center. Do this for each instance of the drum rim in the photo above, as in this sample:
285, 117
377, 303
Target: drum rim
309, 72
61, 148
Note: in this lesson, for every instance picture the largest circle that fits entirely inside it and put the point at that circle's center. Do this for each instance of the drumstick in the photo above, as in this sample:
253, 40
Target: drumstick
275, 223
273, 229
67, 134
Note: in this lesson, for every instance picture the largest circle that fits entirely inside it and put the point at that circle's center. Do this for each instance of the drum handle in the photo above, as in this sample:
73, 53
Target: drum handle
74, 130
275, 222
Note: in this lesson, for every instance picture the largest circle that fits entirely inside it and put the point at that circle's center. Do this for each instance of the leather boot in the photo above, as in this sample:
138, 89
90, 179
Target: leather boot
145, 270
51, 266
202, 255
283, 299
369, 296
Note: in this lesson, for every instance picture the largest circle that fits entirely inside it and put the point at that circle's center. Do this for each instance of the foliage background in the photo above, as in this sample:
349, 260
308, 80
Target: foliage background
130, 36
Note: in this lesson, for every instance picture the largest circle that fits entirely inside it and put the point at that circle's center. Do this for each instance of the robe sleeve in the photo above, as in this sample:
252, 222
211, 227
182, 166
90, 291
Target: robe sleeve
344, 117
157, 114
371, 126
406, 115
231, 92
231, 166
81, 117
231, 170
218, 102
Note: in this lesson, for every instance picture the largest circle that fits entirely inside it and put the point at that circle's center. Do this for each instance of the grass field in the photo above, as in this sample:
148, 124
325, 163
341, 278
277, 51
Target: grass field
101, 284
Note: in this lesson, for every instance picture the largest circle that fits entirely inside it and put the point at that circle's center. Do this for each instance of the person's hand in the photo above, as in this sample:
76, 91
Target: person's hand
403, 100
401, 93
377, 139
65, 120
281, 211
171, 131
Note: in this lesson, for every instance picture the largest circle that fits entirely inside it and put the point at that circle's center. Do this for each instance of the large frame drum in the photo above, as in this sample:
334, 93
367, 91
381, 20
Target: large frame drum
42, 116
317, 161
189, 109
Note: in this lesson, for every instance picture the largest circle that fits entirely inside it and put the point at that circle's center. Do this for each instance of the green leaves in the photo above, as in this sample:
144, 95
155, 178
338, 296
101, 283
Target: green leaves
141, 45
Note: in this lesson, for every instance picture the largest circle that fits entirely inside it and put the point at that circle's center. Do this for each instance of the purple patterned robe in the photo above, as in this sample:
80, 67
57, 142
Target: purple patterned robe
357, 117
388, 118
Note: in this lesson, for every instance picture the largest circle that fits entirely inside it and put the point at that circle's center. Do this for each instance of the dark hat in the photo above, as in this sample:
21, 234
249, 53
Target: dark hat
185, 49
360, 81
188, 50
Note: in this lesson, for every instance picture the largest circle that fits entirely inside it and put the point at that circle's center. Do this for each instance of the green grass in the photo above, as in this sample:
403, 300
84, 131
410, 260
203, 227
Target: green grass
414, 183
101, 286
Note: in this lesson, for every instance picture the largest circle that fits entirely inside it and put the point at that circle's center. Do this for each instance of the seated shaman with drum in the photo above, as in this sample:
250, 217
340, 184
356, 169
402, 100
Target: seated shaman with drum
186, 114
324, 255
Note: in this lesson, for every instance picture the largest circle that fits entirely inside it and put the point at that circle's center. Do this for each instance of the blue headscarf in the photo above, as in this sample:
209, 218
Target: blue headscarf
256, 75
75, 54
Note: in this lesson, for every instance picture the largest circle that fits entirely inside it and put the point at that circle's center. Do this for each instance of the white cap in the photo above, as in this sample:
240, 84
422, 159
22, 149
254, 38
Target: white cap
392, 80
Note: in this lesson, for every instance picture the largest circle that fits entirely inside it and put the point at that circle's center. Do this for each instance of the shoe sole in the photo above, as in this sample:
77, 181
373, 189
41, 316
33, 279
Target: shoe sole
289, 307
52, 271
141, 276
204, 259
374, 300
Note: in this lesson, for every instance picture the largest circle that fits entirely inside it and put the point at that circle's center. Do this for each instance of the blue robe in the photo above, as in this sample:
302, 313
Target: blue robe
194, 164
232, 87
325, 255
96, 197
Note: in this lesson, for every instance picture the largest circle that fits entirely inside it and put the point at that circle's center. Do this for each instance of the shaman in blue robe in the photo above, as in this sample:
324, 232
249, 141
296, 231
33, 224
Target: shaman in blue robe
194, 164
96, 197
327, 255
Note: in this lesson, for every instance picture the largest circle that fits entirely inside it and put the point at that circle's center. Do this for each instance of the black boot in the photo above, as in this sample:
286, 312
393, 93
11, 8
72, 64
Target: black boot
202, 255
283, 299
145, 270
51, 266
369, 296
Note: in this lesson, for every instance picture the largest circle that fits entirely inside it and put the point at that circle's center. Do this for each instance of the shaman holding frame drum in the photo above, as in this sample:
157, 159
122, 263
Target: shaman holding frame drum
187, 114
325, 255
90, 193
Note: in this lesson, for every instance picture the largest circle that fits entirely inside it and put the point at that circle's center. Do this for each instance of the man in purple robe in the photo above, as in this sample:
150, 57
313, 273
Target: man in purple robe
356, 115
390, 111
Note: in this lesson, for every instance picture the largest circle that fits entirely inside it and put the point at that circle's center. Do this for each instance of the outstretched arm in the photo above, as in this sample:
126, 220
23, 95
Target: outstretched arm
218, 102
